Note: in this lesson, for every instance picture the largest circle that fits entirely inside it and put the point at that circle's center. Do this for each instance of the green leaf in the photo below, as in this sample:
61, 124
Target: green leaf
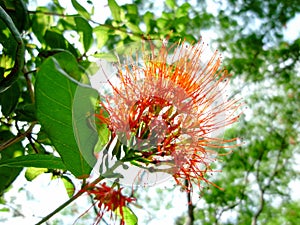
7, 41
115, 10
148, 19
134, 27
110, 57
56, 40
9, 99
162, 23
68, 63
132, 9
69, 185
55, 91
67, 23
25, 112
18, 12
104, 135
9, 174
35, 160
43, 138
41, 22
81, 10
4, 209
86, 32
33, 172
171, 3
102, 35
129, 217
183, 10
85, 100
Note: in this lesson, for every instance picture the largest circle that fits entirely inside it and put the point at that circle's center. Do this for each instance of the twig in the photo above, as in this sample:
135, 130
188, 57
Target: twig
32, 144
265, 187
83, 189
16, 212
17, 138
123, 30
73, 198
242, 193
29, 87
51, 13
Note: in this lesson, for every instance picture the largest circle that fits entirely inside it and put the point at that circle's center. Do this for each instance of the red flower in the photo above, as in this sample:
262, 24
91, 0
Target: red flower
168, 109
109, 200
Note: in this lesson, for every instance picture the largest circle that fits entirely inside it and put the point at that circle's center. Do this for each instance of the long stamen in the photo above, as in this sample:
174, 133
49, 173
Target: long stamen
172, 106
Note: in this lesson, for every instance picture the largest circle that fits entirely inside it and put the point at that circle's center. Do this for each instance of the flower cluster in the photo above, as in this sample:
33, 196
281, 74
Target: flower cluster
169, 110
109, 200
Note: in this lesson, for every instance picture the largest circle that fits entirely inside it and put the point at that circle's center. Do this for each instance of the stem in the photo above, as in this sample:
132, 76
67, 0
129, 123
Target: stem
93, 21
83, 189
73, 198
79, 193
29, 87
263, 188
61, 207
191, 217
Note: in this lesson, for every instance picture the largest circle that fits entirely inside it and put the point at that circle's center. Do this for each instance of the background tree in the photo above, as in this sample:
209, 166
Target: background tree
257, 177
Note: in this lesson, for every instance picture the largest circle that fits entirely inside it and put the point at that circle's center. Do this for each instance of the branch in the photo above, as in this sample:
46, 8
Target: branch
84, 188
123, 30
29, 87
234, 204
17, 138
16, 212
191, 217
73, 198
265, 187
19, 62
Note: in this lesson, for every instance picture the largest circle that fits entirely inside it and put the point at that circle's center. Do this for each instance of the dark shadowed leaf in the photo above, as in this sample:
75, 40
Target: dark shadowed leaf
9, 99
9, 174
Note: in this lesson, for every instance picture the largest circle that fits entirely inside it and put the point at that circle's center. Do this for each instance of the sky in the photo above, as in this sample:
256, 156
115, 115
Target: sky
43, 195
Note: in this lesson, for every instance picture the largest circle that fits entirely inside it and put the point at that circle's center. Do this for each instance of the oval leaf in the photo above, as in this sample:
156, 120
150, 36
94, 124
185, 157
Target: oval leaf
35, 160
69, 185
33, 172
9, 174
55, 91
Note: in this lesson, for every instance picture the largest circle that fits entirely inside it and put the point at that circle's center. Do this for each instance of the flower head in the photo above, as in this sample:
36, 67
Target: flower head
109, 200
168, 108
